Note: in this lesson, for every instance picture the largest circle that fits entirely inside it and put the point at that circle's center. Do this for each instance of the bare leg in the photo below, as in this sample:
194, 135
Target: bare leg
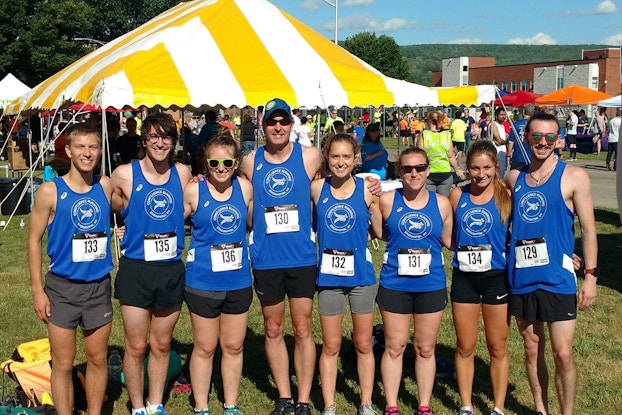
537, 373
426, 331
363, 326
96, 350
160, 336
136, 328
205, 337
276, 350
496, 326
396, 328
63, 344
304, 352
331, 344
466, 321
562, 337
232, 335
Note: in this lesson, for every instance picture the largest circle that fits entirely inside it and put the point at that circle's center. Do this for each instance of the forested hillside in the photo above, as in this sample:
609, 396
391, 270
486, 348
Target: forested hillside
423, 59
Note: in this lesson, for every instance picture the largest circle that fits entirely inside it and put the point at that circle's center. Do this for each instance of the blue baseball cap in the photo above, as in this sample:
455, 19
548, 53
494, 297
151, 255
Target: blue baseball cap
274, 105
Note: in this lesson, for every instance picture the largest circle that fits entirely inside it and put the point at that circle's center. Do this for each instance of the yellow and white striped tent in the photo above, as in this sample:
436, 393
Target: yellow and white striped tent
229, 53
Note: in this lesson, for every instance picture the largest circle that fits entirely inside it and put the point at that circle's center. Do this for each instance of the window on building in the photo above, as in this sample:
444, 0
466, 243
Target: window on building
465, 79
514, 86
595, 82
465, 68
560, 77
504, 85
523, 85
531, 86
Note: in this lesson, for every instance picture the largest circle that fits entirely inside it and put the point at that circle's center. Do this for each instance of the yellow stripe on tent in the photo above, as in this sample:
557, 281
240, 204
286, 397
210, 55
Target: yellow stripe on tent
465, 95
362, 86
243, 51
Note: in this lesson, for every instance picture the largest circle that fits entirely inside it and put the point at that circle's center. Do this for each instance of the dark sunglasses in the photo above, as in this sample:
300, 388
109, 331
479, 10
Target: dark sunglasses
536, 137
283, 121
417, 167
214, 163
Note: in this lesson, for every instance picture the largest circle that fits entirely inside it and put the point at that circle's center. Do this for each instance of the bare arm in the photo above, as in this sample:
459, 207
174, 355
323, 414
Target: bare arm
447, 214
376, 217
312, 159
122, 186
576, 183
42, 213
246, 168
386, 204
247, 192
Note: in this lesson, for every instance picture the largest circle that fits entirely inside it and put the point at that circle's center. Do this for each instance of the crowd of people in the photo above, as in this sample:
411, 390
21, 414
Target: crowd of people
511, 257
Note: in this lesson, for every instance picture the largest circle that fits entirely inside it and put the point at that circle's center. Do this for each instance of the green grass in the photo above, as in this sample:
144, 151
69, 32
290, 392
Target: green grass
597, 346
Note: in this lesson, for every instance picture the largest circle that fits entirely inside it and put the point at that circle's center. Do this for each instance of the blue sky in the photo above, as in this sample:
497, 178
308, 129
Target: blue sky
528, 22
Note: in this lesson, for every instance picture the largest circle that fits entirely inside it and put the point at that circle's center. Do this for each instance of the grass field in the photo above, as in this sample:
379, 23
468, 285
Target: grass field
597, 346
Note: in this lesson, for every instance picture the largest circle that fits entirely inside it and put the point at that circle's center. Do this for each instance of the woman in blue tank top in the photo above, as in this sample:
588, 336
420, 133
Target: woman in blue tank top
344, 207
413, 286
218, 277
482, 213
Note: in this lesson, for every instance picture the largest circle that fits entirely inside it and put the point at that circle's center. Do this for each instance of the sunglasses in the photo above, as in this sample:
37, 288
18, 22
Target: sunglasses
214, 163
283, 121
536, 137
153, 138
417, 167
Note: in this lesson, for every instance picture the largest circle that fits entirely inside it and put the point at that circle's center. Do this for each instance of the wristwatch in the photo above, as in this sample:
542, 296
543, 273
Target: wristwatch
595, 272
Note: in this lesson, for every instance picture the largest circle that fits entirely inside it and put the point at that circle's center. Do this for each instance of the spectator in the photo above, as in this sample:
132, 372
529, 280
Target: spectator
614, 136
440, 152
373, 153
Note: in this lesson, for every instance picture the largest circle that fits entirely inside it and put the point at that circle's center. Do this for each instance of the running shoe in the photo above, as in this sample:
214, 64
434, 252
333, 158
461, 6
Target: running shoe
283, 406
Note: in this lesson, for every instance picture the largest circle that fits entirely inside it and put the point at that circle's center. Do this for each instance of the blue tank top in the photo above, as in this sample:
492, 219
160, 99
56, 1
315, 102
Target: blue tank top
79, 235
218, 253
342, 231
480, 235
282, 235
413, 260
542, 238
154, 219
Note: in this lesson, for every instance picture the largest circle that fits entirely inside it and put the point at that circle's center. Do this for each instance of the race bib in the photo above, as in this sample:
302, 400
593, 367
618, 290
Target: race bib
413, 262
280, 219
88, 247
531, 253
160, 246
475, 258
335, 262
226, 257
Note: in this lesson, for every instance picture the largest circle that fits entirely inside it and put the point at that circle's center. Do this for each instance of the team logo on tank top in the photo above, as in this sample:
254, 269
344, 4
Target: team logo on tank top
477, 222
340, 218
532, 206
226, 219
415, 225
278, 182
159, 204
85, 214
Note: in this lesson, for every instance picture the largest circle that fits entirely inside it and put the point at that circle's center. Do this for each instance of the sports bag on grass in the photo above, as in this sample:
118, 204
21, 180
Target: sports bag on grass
31, 368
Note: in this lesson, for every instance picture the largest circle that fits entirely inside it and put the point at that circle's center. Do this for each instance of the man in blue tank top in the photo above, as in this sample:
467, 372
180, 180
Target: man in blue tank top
151, 278
282, 247
547, 196
75, 209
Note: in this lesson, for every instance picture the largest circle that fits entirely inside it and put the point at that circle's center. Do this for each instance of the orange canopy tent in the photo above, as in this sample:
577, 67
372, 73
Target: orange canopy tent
572, 95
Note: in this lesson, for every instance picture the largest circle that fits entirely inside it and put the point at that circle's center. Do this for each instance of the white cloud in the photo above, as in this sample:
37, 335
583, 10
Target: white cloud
613, 40
539, 39
606, 7
356, 3
364, 22
467, 41
310, 5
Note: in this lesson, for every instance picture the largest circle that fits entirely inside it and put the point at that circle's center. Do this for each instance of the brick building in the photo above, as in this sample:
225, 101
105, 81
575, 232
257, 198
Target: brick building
598, 69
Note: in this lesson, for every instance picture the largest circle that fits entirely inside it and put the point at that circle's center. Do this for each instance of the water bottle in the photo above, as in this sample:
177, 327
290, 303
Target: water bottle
21, 223
115, 366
